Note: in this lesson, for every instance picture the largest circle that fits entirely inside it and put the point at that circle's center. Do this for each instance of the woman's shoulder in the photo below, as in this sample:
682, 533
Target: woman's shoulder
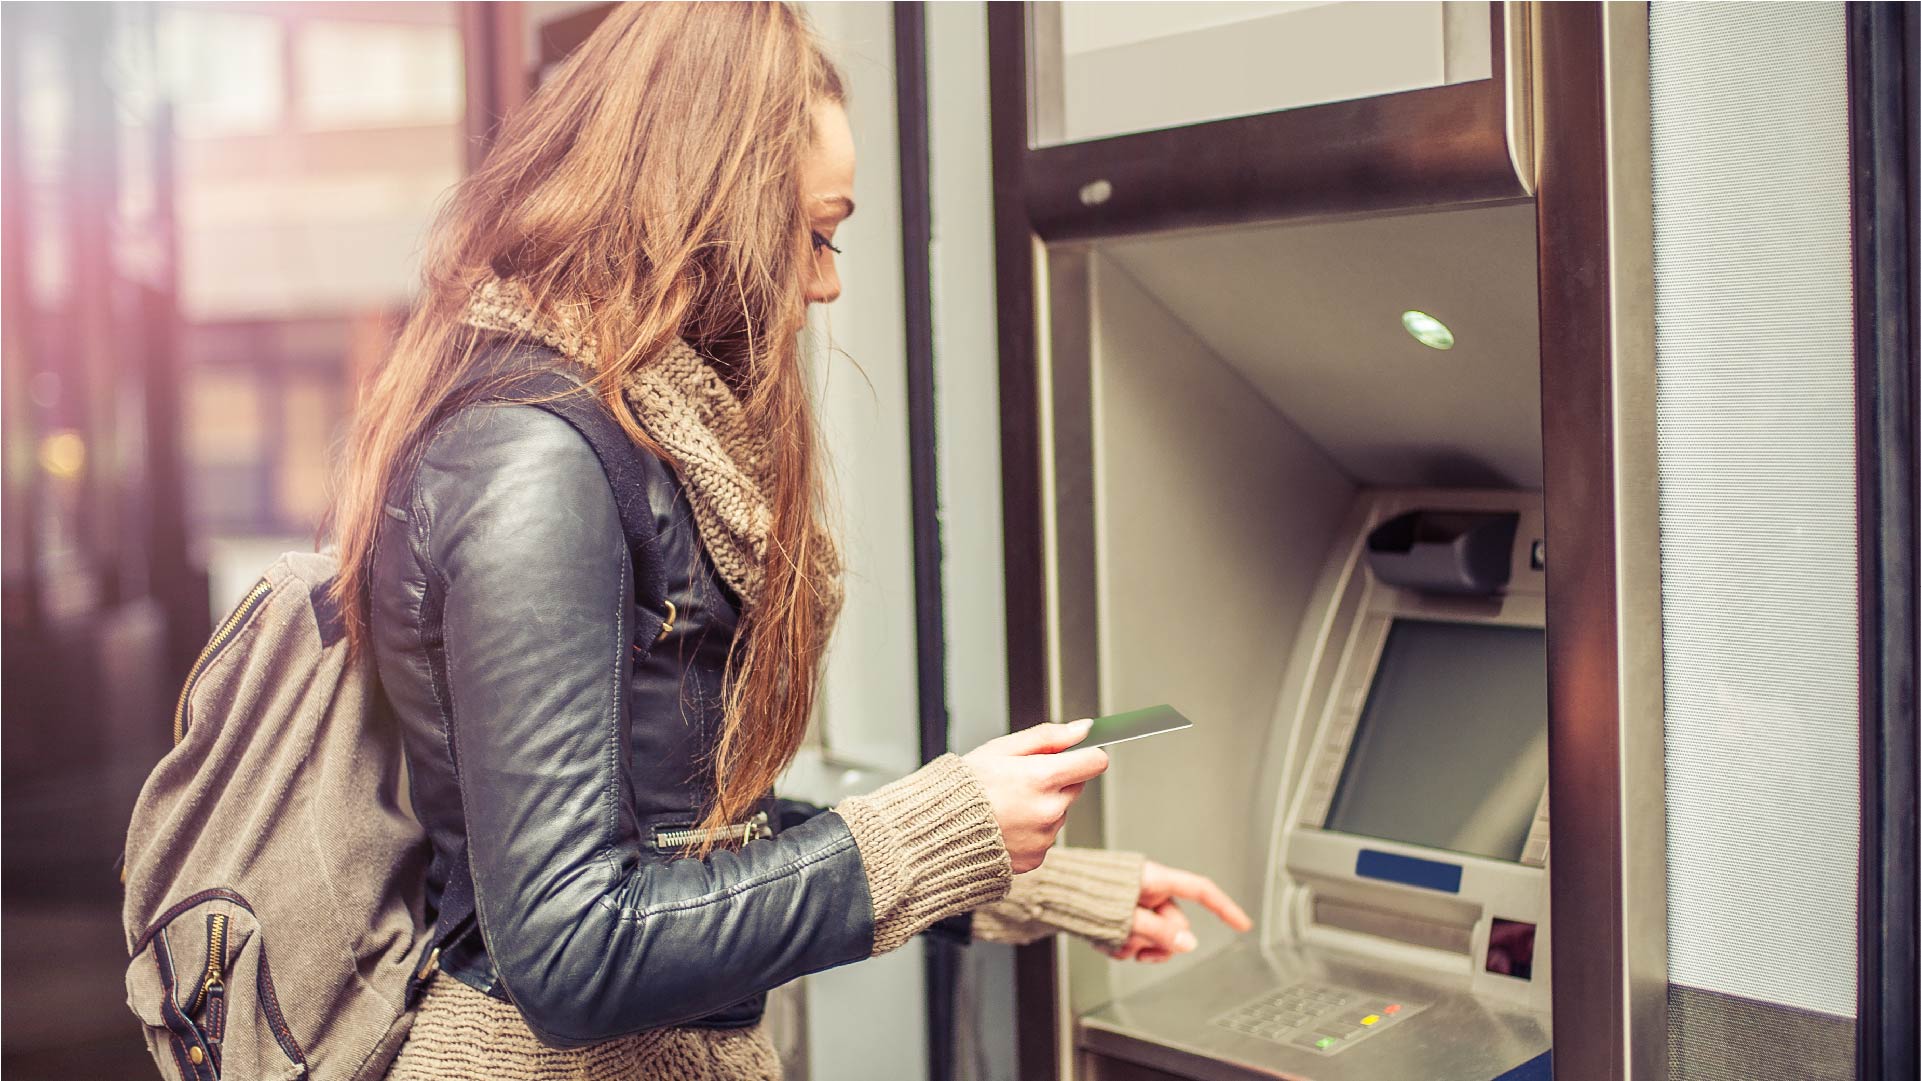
536, 418
512, 470
482, 438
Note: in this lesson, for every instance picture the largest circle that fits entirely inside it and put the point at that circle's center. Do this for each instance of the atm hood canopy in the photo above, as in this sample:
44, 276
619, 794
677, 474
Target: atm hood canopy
1310, 314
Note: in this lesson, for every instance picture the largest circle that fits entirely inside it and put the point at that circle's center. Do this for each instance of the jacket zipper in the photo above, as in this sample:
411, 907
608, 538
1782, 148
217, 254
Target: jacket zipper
751, 830
213, 981
219, 640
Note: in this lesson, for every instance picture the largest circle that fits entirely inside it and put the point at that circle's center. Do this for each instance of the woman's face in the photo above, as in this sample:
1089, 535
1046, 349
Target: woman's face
827, 198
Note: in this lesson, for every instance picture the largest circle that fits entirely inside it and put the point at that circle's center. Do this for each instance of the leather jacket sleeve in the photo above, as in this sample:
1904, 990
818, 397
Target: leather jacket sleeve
516, 526
957, 929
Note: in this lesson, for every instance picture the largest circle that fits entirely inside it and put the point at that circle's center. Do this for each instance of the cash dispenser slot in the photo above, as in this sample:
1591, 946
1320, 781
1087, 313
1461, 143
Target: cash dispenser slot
1449, 929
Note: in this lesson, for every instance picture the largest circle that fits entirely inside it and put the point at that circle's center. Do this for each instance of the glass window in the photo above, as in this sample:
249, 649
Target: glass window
1102, 68
224, 70
372, 74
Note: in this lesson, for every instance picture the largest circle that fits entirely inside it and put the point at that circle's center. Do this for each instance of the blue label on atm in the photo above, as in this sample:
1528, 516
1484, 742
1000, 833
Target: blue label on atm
1538, 1068
1409, 871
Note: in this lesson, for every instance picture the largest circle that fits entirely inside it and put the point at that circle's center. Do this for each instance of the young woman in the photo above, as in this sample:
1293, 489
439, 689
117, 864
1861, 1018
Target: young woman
597, 762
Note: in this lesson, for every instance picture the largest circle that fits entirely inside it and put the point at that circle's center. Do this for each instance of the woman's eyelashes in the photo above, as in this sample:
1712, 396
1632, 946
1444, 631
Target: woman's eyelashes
822, 242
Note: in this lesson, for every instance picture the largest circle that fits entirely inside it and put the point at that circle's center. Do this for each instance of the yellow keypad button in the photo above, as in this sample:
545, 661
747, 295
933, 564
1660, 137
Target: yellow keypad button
1370, 1019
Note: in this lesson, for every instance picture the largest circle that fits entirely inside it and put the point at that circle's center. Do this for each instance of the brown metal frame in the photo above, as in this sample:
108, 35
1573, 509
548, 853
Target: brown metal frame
1444, 146
493, 40
1249, 167
1585, 748
1441, 146
1037, 1039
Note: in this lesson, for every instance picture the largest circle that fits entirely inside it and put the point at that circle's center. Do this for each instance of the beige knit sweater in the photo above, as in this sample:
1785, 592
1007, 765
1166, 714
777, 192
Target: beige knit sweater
932, 849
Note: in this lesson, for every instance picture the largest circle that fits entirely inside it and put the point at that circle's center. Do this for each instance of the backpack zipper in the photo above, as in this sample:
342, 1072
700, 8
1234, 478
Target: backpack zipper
214, 979
751, 830
228, 628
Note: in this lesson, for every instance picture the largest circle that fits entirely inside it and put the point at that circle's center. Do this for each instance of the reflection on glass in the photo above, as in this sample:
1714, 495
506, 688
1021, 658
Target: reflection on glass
1104, 68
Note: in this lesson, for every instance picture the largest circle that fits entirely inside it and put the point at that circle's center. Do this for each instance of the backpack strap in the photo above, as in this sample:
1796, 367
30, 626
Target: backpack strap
551, 390
455, 919
554, 391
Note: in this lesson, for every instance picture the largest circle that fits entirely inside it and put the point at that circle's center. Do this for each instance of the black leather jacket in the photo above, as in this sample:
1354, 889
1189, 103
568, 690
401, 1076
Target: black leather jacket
502, 625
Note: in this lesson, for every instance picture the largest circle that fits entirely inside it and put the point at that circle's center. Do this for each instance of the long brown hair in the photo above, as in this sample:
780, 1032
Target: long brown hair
648, 191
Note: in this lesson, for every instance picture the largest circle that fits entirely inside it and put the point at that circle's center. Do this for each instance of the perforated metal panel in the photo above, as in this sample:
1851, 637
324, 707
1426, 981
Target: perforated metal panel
1756, 444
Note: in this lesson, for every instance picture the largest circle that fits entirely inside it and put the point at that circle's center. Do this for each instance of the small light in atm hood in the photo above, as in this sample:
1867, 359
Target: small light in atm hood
1427, 330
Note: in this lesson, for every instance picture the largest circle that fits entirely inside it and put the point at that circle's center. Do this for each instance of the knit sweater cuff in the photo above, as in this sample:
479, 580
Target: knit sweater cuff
1090, 892
931, 846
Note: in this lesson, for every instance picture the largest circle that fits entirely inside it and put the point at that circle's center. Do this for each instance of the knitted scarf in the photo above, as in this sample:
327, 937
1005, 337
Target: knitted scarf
722, 460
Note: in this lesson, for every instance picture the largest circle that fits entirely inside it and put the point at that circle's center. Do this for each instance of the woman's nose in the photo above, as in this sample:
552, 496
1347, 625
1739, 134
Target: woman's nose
824, 289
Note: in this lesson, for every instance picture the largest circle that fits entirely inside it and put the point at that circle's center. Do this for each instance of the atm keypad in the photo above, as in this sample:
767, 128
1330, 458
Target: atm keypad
1322, 1018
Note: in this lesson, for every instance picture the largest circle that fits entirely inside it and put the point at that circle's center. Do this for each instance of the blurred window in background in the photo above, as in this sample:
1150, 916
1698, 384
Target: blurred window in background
403, 75
314, 142
223, 69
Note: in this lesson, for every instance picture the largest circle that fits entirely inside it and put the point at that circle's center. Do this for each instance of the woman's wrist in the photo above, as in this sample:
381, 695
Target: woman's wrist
931, 846
1088, 892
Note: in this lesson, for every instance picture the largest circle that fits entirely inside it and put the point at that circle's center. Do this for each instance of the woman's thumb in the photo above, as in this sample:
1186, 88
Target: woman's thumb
1164, 932
1049, 738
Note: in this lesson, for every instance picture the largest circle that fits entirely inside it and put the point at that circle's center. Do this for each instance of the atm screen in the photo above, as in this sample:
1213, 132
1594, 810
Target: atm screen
1451, 751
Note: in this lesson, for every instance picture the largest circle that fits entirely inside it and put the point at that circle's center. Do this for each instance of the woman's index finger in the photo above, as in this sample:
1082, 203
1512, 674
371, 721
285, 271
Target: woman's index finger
1211, 897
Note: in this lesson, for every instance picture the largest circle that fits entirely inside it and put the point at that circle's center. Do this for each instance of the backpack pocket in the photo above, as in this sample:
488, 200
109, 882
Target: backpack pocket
200, 981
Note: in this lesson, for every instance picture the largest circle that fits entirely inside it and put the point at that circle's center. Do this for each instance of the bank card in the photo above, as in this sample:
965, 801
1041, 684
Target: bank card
1136, 724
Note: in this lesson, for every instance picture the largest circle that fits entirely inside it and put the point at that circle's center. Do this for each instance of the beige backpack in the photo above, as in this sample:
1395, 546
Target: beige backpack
274, 870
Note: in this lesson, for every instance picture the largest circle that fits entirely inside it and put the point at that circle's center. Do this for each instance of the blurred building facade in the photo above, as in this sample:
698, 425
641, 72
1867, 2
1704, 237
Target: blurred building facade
214, 215
213, 218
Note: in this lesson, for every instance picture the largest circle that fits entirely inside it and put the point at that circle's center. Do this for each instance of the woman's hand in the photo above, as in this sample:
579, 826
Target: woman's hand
1031, 779
1160, 928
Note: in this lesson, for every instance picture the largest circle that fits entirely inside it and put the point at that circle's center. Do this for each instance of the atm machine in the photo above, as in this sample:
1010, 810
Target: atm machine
1234, 483
1406, 888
